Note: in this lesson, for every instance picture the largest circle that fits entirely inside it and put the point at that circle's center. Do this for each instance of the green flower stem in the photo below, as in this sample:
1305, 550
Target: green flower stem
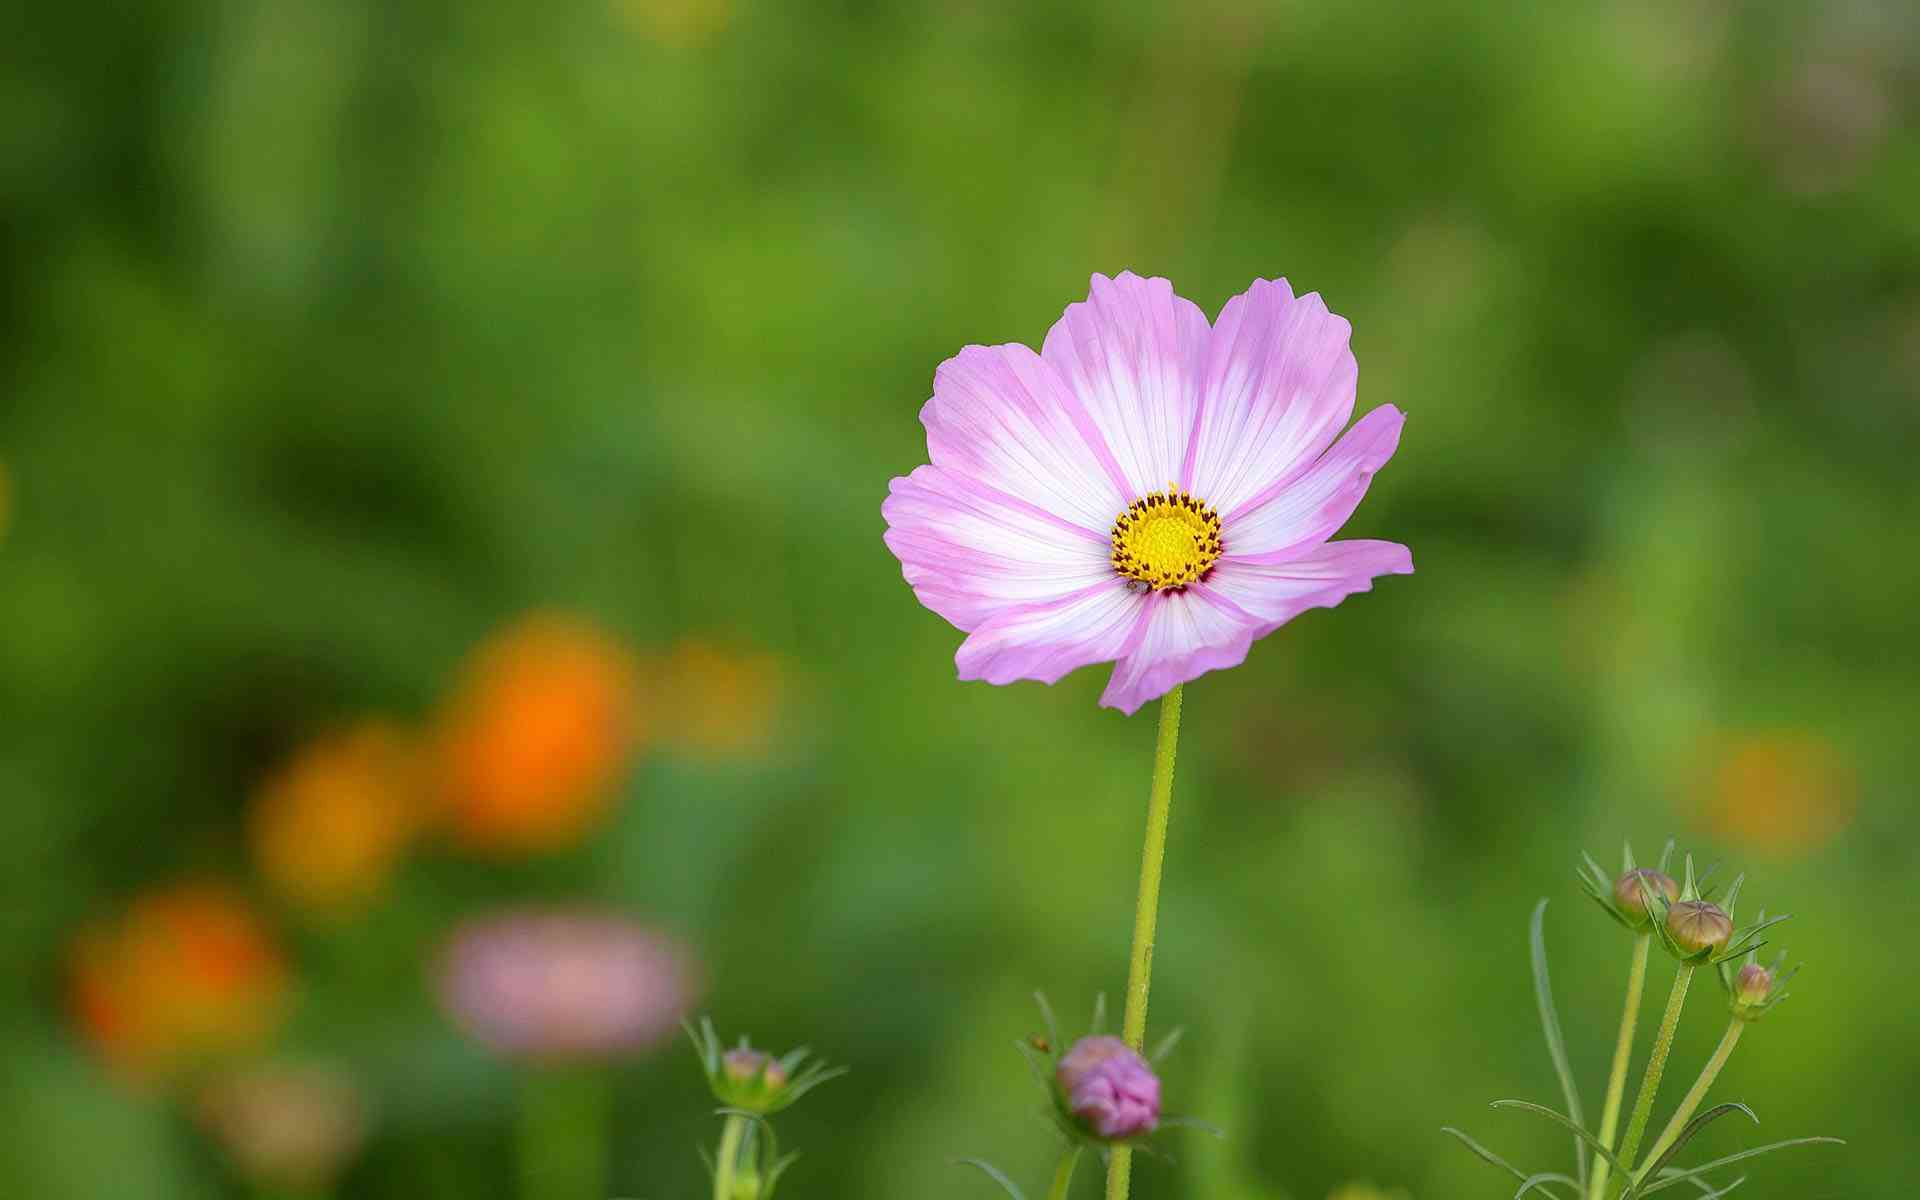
1146, 912
563, 1132
727, 1158
1656, 1066
1622, 1059
1063, 1174
1693, 1098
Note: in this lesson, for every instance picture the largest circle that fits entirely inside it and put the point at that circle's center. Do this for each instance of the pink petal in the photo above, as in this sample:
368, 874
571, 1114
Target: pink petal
1275, 593
1279, 387
971, 552
1045, 641
1303, 511
1180, 636
1133, 353
1001, 415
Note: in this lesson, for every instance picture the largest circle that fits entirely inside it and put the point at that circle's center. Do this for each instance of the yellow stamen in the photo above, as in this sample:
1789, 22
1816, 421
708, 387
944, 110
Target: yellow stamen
1166, 539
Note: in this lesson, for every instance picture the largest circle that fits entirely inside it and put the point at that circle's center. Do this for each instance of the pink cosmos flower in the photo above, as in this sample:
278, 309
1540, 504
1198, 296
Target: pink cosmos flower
1148, 490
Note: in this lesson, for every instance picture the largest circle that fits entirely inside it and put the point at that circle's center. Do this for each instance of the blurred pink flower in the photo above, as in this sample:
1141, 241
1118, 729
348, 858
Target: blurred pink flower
565, 984
1148, 489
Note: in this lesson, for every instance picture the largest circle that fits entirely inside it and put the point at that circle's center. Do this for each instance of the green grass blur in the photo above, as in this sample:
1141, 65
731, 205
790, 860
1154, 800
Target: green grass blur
337, 335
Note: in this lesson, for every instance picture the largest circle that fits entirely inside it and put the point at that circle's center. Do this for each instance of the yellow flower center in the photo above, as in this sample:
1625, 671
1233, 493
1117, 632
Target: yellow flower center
1166, 539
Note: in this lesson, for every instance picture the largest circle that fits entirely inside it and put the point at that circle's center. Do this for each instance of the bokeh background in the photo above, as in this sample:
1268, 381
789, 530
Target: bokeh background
440, 465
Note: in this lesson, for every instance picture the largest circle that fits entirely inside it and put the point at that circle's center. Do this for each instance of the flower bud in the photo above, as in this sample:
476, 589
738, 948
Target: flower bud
1630, 892
1109, 1089
744, 1064
750, 1079
753, 1080
1698, 928
1752, 988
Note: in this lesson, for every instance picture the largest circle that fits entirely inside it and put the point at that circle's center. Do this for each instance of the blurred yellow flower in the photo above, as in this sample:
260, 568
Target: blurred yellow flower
330, 826
536, 735
188, 974
680, 24
716, 702
291, 1128
1780, 793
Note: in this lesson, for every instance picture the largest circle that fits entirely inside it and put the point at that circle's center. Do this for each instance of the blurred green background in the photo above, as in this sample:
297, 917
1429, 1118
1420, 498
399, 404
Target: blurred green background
340, 336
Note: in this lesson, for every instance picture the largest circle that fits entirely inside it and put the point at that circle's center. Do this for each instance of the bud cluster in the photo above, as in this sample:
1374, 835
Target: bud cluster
751, 1085
754, 1081
1681, 915
1696, 928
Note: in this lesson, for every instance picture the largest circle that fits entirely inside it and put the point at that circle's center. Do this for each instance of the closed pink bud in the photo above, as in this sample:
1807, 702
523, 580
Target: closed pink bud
1109, 1089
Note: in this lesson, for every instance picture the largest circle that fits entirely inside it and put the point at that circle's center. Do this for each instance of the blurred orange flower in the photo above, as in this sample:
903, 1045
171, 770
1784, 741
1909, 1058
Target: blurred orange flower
718, 702
330, 826
537, 734
189, 973
1783, 793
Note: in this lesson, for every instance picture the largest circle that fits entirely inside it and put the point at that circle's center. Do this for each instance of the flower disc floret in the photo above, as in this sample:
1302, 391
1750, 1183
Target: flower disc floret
1166, 539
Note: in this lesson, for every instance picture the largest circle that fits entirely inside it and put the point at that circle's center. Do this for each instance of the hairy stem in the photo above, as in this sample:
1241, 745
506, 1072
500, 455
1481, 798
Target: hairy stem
727, 1158
1146, 911
1063, 1174
1622, 1059
1694, 1096
1656, 1066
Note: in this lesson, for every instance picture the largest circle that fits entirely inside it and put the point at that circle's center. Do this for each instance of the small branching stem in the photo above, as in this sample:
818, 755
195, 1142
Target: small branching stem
1685, 1112
1656, 1066
727, 1159
1622, 1059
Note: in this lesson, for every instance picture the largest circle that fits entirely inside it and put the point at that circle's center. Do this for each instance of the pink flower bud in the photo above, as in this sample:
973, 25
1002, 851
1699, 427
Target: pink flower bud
1630, 892
1109, 1089
1752, 987
1698, 927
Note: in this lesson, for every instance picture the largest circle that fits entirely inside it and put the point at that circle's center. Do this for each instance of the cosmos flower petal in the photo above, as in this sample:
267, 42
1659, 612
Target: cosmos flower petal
1298, 513
1179, 636
1002, 416
1279, 388
1275, 593
970, 551
1045, 641
1133, 353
